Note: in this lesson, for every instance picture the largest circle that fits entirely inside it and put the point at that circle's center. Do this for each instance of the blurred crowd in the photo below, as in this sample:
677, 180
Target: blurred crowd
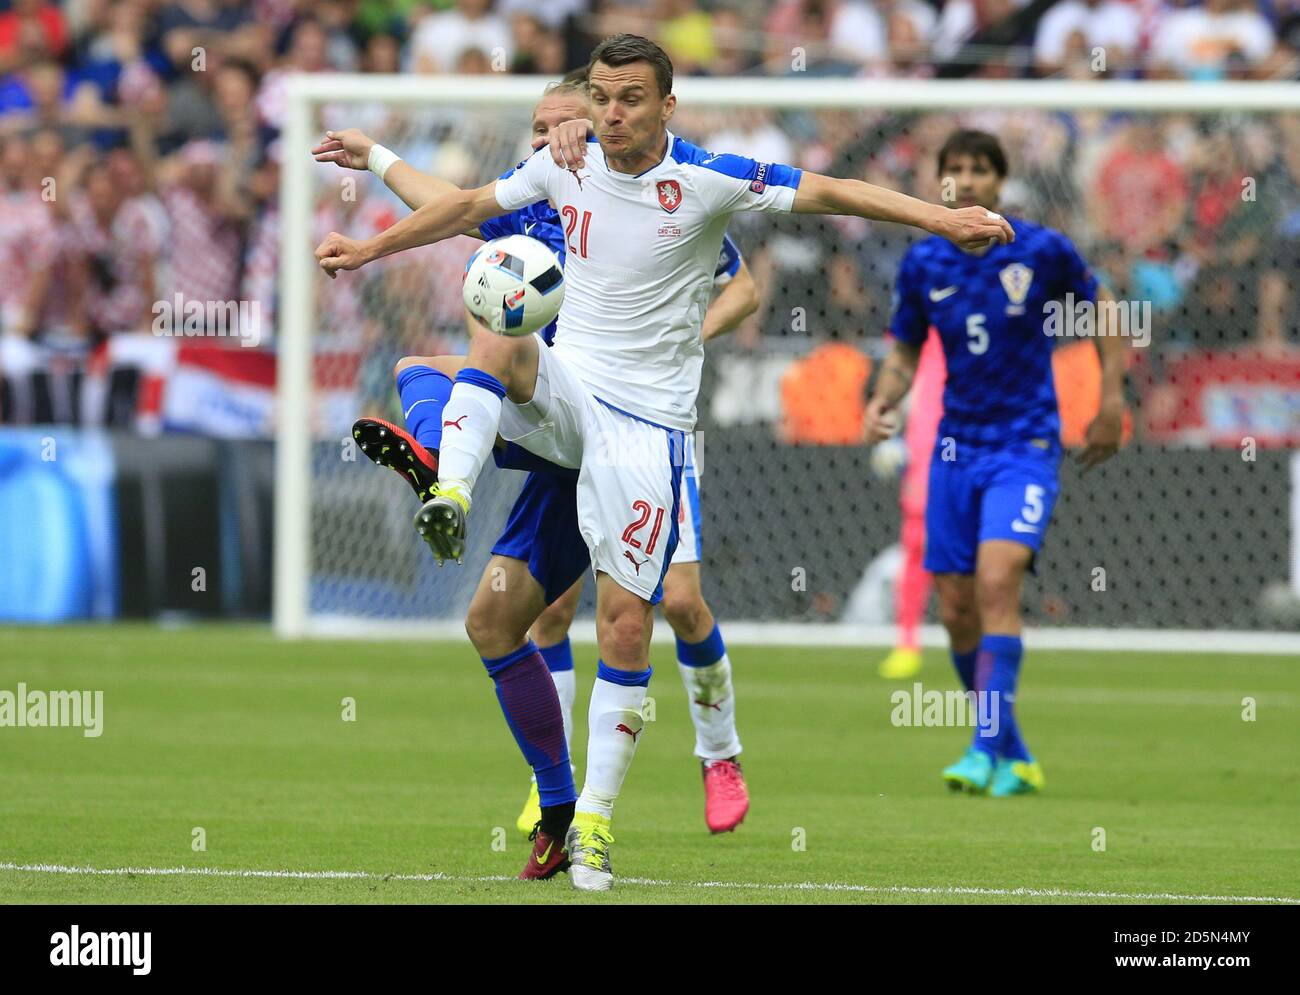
140, 156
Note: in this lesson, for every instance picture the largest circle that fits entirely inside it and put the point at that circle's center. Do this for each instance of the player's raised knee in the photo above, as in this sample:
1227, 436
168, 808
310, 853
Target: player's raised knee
406, 362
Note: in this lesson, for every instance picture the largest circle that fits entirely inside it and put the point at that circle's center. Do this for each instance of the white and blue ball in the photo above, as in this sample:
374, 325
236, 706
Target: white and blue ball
514, 285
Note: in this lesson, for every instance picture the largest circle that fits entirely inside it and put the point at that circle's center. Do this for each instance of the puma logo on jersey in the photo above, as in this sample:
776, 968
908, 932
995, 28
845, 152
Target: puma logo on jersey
634, 562
622, 728
710, 704
457, 423
942, 295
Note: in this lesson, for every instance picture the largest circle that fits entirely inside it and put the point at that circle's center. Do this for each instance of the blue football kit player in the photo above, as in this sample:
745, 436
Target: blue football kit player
994, 474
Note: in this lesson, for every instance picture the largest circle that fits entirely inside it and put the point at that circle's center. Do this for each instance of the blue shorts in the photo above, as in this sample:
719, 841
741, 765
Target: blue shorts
987, 492
543, 532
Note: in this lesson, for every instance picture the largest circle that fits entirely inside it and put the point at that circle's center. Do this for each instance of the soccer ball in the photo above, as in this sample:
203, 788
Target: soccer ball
514, 285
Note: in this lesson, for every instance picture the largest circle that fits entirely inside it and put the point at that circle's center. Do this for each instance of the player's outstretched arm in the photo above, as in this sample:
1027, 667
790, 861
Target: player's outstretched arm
894, 380
734, 303
352, 148
967, 227
1106, 431
446, 215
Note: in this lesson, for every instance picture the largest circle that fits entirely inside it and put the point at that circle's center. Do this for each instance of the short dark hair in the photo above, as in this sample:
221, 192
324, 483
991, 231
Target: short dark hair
976, 144
623, 50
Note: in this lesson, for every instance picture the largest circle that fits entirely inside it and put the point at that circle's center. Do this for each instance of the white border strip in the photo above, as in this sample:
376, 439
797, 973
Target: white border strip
401, 90
838, 634
815, 886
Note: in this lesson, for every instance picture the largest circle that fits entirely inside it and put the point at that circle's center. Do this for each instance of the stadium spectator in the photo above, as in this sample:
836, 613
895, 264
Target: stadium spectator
440, 39
1112, 26
117, 241
737, 54
1221, 38
42, 97
537, 49
686, 34
552, 14
836, 36
962, 21
31, 30
308, 53
909, 28
200, 192
24, 244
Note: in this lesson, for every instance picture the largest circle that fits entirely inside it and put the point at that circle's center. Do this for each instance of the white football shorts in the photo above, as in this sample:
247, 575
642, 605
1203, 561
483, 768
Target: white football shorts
629, 472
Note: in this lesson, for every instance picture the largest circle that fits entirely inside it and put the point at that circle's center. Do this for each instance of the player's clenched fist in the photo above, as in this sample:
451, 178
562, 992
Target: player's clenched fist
974, 227
349, 148
568, 141
881, 421
340, 252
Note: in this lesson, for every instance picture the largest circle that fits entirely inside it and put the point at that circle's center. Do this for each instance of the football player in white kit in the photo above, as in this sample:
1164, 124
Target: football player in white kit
644, 214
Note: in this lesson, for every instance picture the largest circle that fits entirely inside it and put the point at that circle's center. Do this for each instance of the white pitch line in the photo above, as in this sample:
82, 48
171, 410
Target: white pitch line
648, 882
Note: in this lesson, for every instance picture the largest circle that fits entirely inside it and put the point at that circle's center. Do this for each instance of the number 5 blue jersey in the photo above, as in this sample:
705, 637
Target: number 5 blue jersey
989, 312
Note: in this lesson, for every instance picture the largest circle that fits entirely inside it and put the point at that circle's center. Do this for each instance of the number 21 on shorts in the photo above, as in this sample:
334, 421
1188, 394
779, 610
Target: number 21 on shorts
644, 510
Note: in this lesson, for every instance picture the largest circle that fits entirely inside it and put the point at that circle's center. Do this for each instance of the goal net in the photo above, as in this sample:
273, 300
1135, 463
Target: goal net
1185, 200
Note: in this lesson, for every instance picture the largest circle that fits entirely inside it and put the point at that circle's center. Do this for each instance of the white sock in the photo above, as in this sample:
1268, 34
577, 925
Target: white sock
713, 709
470, 422
566, 687
614, 726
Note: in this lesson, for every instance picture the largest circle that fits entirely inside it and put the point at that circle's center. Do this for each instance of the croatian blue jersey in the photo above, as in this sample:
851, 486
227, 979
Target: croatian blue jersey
989, 312
540, 221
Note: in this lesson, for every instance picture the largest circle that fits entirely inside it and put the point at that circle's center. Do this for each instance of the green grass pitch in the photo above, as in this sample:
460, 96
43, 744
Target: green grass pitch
227, 729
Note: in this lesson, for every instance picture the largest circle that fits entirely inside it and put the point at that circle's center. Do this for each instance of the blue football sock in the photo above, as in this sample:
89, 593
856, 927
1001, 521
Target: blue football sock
998, 669
424, 392
559, 656
532, 709
705, 653
965, 664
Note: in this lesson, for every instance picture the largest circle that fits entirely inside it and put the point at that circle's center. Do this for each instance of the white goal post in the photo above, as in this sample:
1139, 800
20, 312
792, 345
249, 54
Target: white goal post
292, 616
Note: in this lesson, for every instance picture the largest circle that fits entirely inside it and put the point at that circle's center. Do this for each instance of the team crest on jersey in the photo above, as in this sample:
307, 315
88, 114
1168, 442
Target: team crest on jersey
670, 195
1016, 279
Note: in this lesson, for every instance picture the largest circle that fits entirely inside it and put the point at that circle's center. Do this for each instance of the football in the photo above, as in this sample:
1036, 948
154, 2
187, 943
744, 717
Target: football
514, 285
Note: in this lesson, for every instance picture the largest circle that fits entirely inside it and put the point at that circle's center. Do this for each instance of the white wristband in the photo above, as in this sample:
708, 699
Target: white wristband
380, 159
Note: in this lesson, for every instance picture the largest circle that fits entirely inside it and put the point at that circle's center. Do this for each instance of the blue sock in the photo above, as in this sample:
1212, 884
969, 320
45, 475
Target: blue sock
997, 670
424, 392
965, 664
624, 678
705, 653
559, 656
532, 709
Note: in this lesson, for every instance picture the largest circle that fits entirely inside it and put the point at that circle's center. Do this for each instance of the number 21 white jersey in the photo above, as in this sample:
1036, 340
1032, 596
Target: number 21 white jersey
641, 256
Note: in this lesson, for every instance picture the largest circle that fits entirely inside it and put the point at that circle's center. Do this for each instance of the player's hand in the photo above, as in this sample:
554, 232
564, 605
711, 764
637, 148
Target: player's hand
340, 252
1104, 434
974, 227
881, 421
568, 142
349, 149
